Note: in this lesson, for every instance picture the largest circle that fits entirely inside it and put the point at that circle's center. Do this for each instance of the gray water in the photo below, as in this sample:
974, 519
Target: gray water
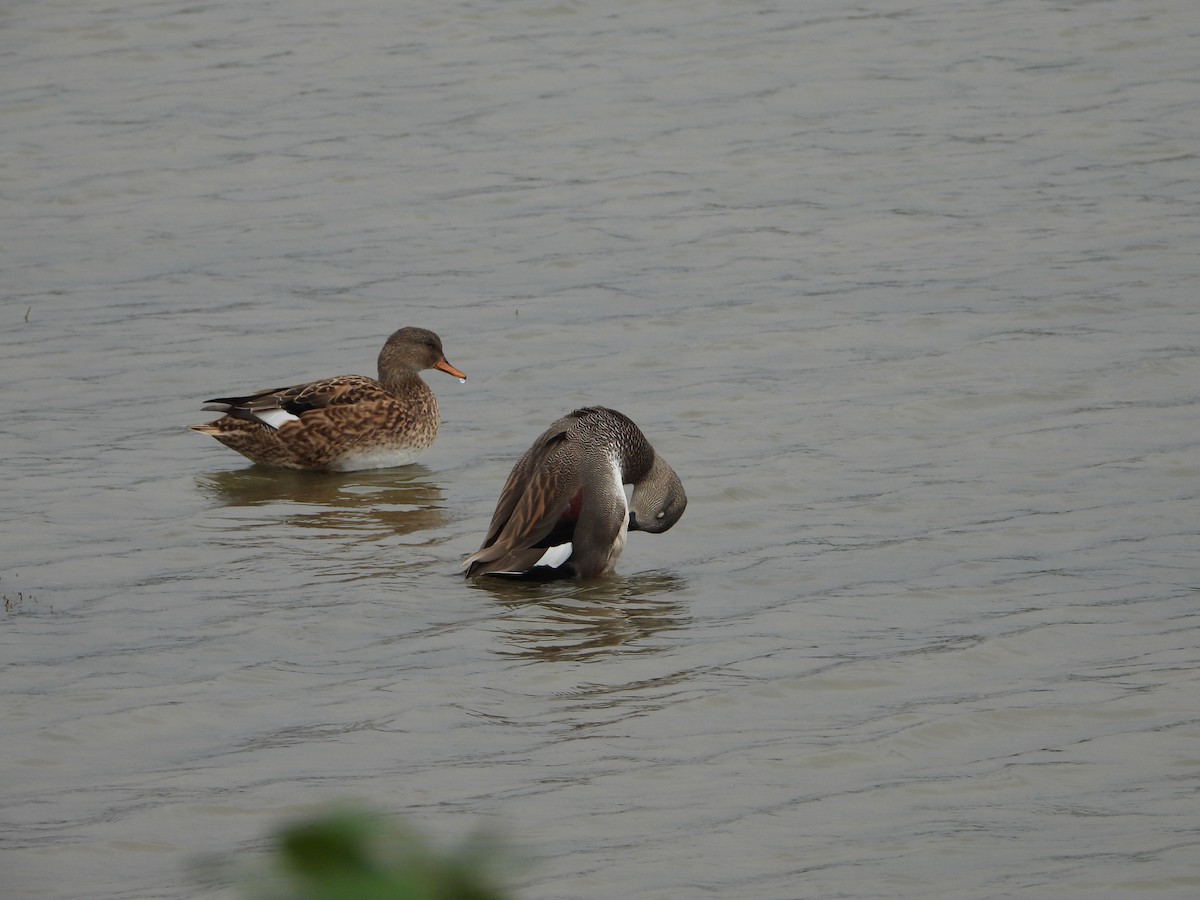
906, 293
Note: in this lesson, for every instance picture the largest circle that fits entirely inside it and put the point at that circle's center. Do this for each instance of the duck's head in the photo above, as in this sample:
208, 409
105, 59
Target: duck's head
413, 349
658, 499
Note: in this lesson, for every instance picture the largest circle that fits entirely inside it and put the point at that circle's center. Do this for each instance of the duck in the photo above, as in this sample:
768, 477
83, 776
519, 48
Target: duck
562, 513
346, 423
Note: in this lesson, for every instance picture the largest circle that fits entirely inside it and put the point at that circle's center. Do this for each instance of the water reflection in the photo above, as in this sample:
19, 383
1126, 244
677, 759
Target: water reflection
570, 620
400, 501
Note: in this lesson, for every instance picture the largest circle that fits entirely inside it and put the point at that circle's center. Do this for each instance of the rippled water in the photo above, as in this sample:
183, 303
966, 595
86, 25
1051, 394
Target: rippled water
905, 293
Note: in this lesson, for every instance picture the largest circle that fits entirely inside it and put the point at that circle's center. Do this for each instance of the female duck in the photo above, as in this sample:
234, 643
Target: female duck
345, 423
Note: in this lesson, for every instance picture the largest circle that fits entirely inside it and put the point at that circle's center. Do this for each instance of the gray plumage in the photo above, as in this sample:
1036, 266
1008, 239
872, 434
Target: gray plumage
566, 492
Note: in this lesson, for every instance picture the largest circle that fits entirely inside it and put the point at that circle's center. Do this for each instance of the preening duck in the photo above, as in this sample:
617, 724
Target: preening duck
562, 512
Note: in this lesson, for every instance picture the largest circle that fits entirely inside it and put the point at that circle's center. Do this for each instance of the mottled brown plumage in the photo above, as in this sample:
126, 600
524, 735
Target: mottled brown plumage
562, 512
344, 423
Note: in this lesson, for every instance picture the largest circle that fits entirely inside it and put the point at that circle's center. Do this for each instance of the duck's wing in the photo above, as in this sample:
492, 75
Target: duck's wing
278, 406
539, 492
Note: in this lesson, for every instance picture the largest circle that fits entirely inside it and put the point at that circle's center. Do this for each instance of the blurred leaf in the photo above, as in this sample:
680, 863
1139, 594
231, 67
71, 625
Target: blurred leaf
357, 855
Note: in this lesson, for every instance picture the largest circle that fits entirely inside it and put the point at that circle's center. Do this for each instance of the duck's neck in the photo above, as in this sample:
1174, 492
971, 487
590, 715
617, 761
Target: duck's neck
637, 456
403, 383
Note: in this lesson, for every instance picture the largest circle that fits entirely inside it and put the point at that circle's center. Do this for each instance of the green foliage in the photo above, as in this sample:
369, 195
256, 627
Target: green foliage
355, 855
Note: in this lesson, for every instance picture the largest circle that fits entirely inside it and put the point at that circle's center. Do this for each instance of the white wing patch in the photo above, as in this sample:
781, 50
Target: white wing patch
275, 417
556, 556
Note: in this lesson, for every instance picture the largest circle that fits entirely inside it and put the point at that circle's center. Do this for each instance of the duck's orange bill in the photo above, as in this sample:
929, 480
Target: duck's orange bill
446, 367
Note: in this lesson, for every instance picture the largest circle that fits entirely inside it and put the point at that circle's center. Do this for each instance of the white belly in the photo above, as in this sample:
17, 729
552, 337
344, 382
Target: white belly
383, 458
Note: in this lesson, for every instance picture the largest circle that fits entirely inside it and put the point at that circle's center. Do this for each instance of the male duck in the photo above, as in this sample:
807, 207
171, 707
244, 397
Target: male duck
345, 423
562, 512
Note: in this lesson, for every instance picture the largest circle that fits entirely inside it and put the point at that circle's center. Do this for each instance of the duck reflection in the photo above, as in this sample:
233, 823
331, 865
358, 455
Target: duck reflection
585, 619
397, 501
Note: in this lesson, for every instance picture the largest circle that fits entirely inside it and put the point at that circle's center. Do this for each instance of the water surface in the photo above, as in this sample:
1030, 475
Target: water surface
905, 293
